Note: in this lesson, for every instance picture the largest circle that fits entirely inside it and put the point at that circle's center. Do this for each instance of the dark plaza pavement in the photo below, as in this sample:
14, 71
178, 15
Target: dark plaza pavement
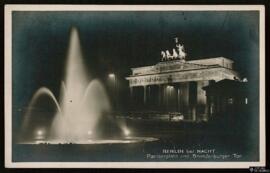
223, 138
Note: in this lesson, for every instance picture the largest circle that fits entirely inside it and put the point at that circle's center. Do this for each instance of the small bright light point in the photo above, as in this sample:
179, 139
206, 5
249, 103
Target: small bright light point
89, 132
111, 75
170, 87
126, 132
39, 132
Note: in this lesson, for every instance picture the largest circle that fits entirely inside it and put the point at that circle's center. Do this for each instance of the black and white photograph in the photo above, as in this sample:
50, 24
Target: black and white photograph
145, 86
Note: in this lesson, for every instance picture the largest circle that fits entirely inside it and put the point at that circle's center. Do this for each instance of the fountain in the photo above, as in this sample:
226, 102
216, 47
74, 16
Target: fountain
82, 114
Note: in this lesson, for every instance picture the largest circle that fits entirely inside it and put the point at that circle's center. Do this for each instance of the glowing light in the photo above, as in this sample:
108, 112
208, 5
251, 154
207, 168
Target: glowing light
170, 87
39, 132
126, 132
245, 80
111, 75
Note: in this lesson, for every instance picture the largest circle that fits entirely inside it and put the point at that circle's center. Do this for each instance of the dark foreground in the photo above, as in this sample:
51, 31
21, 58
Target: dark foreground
178, 141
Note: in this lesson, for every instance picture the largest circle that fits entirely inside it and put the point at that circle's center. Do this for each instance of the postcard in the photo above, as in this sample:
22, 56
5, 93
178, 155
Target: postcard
124, 86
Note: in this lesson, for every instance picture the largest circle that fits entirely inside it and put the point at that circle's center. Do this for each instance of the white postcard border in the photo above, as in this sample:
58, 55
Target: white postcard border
8, 86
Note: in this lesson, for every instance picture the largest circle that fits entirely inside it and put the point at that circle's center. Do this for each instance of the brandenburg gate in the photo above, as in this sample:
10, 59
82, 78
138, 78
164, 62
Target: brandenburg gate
175, 84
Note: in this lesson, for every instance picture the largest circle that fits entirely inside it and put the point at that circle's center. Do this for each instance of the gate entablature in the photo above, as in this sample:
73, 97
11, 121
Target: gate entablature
181, 70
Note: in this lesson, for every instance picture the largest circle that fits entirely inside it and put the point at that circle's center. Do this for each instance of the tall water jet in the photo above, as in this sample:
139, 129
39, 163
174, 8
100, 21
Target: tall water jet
84, 110
83, 103
75, 83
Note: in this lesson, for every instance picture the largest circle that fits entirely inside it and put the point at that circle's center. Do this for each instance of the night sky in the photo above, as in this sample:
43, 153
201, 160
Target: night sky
116, 41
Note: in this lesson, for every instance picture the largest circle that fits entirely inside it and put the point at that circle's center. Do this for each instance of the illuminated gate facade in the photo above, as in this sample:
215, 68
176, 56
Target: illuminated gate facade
175, 85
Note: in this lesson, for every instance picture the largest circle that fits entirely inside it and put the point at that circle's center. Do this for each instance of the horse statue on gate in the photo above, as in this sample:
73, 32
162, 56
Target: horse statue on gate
163, 56
168, 54
177, 53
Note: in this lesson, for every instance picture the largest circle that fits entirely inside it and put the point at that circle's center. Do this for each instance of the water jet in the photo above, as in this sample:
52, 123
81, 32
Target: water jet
82, 114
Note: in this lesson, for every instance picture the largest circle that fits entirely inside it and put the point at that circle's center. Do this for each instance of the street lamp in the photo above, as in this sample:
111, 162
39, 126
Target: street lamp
112, 78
